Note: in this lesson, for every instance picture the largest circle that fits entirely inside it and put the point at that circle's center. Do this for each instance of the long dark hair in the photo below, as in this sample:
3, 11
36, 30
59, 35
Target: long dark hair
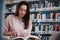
26, 18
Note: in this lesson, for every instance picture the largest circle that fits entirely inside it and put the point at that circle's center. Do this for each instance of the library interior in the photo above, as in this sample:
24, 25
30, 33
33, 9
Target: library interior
45, 16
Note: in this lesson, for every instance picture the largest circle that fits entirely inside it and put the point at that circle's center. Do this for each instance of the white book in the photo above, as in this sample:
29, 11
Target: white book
43, 16
28, 38
36, 28
38, 16
32, 16
50, 28
51, 15
46, 4
31, 37
41, 29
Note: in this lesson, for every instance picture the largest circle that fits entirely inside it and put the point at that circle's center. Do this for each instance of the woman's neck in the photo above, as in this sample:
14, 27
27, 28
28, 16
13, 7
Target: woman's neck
20, 18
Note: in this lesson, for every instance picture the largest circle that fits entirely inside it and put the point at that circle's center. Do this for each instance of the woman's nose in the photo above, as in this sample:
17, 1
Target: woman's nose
23, 12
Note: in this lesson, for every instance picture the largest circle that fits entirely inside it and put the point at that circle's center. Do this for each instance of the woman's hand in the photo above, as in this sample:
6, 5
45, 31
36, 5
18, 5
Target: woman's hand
10, 33
24, 34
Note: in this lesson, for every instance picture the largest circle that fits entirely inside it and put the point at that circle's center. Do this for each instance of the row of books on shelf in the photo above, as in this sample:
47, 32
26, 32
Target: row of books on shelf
17, 1
45, 4
13, 9
36, 6
12, 1
45, 16
46, 28
44, 9
45, 20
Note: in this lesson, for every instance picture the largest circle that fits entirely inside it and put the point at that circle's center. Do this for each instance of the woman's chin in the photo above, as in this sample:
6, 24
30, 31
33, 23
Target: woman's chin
22, 16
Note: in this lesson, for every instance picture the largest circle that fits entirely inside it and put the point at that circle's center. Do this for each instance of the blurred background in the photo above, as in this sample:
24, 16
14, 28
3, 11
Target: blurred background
45, 16
2, 11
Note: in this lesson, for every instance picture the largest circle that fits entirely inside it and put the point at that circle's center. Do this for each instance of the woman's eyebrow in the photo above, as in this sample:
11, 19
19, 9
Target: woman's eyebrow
23, 8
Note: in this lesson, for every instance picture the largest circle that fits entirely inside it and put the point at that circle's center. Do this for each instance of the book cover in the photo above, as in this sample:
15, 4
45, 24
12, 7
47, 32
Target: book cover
21, 38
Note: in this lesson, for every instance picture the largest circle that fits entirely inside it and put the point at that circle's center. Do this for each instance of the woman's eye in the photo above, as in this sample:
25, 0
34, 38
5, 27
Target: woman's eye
21, 9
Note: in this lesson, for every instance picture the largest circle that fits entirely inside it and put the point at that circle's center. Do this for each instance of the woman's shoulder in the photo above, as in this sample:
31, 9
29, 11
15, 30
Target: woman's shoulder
10, 16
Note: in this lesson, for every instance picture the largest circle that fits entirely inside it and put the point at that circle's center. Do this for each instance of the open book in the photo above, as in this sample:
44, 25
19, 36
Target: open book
24, 38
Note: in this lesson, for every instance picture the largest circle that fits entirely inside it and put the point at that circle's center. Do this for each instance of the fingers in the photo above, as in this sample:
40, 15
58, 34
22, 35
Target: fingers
23, 34
14, 33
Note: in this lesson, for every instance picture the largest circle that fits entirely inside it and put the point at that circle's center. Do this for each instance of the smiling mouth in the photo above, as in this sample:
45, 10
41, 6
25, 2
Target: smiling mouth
22, 15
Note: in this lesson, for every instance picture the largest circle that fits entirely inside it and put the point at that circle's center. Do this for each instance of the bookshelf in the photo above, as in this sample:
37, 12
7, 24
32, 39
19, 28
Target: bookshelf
46, 9
45, 15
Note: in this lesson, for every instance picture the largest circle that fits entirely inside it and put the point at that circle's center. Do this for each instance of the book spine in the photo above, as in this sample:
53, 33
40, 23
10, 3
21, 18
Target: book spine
36, 28
38, 16
43, 16
7, 1
55, 28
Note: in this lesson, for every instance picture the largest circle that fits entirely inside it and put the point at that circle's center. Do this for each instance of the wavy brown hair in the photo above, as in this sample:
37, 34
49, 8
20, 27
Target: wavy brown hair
26, 18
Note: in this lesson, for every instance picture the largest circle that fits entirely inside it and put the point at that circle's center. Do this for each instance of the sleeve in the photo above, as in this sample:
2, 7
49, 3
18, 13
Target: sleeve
6, 24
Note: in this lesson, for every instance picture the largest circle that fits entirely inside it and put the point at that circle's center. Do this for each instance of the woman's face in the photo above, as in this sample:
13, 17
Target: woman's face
22, 10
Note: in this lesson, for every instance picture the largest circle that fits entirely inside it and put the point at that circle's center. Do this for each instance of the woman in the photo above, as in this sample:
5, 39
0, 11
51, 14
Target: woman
19, 24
